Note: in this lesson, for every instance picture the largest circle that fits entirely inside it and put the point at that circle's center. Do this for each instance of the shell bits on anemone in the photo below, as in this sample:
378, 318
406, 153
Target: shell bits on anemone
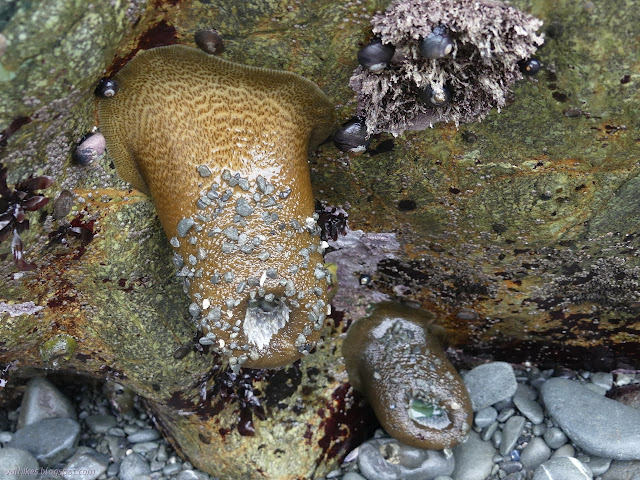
222, 150
418, 396
453, 61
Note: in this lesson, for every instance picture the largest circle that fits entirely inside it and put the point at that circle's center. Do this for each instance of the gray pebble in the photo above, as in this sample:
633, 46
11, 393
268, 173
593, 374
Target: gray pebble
353, 476
113, 469
539, 430
162, 456
474, 459
171, 469
184, 226
43, 400
100, 423
409, 463
535, 453
566, 450
510, 434
488, 432
190, 475
598, 425
144, 447
511, 466
562, 468
623, 470
147, 435
555, 437
86, 464
485, 417
133, 466
505, 414
51, 440
598, 465
603, 380
18, 464
204, 171
528, 406
243, 208
490, 383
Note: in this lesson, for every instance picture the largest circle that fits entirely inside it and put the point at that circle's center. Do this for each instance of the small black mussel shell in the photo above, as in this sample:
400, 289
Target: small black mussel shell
210, 41
530, 66
376, 56
106, 88
352, 136
435, 97
437, 44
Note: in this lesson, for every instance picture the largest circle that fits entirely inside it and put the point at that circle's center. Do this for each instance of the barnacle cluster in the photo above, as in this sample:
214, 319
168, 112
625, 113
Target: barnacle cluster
13, 205
454, 61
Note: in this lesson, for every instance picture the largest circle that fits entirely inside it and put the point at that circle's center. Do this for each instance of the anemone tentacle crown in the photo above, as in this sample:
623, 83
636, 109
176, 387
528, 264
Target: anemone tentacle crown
222, 150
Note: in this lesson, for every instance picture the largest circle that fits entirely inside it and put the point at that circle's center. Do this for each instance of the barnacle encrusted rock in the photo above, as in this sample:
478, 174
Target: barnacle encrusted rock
222, 149
418, 396
490, 38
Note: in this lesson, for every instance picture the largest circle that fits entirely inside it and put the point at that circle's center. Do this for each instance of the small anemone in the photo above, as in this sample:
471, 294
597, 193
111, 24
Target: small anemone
13, 205
471, 47
394, 358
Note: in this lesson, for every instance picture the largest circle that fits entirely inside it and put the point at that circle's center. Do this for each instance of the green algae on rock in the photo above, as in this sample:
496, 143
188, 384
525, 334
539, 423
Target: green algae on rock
419, 398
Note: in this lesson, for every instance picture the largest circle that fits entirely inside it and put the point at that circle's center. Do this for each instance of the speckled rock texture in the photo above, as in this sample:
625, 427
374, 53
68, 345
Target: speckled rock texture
519, 232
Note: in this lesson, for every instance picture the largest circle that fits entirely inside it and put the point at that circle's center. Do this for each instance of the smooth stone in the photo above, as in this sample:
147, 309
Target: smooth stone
505, 414
43, 400
147, 435
113, 469
535, 453
562, 468
474, 459
488, 432
86, 464
511, 466
100, 423
409, 463
5, 437
623, 470
564, 451
490, 383
485, 417
602, 379
595, 388
144, 447
598, 425
190, 475
16, 463
356, 476
50, 440
133, 466
555, 437
442, 477
598, 465
510, 433
528, 406
539, 430
171, 469
162, 456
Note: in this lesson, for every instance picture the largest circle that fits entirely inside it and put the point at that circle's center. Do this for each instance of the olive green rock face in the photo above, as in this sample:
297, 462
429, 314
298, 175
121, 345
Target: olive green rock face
394, 358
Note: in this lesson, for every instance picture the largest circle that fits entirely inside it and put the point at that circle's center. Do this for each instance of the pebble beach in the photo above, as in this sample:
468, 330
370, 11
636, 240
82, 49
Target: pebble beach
528, 424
